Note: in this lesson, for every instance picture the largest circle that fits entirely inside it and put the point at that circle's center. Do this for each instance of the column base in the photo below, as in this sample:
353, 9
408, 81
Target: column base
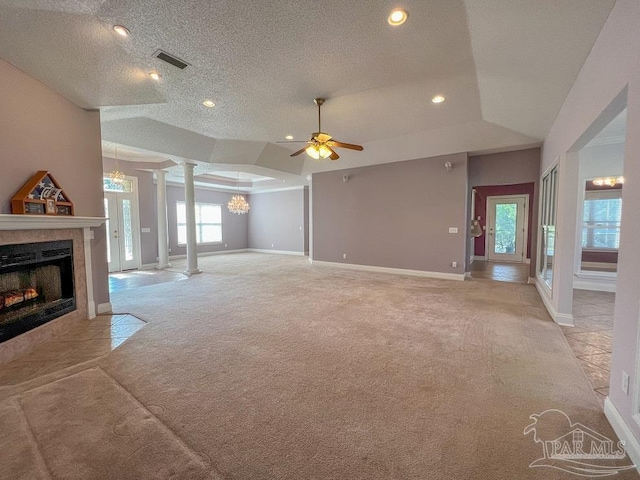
188, 273
162, 267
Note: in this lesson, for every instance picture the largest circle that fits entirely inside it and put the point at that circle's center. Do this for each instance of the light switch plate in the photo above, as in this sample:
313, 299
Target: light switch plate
145, 230
453, 229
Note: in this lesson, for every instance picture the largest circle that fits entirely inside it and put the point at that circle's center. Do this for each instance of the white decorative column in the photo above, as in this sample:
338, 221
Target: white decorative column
163, 230
190, 206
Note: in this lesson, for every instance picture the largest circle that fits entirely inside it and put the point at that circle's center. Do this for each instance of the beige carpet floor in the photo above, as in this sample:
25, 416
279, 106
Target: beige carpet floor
266, 367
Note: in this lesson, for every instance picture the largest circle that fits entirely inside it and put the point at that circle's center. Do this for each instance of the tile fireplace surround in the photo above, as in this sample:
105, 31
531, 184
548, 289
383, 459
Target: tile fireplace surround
16, 229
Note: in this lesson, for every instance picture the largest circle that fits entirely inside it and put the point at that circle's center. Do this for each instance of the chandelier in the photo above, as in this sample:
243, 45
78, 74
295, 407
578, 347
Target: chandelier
238, 204
608, 181
116, 175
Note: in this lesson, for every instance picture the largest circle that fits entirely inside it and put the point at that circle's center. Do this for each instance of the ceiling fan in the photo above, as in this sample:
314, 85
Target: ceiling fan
321, 144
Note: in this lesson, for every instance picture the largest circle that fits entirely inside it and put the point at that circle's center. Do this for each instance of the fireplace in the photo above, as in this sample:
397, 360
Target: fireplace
36, 285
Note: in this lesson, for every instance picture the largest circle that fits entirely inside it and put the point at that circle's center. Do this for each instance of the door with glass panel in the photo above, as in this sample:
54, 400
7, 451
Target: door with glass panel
507, 228
120, 208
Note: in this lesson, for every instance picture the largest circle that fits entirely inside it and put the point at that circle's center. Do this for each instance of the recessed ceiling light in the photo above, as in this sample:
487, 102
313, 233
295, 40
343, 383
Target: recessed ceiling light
397, 17
155, 75
438, 99
289, 137
122, 31
208, 103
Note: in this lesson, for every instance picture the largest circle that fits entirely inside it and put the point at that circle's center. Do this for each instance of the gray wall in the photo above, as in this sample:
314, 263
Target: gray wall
41, 130
306, 220
278, 221
509, 168
611, 72
393, 215
234, 227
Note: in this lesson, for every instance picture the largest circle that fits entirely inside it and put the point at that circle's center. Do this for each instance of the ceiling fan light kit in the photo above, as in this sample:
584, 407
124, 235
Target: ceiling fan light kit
321, 145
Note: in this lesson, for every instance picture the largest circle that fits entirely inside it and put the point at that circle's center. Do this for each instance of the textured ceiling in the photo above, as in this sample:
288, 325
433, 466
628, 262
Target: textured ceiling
505, 67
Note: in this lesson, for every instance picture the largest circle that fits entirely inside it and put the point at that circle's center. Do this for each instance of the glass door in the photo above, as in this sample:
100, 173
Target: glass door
120, 208
507, 226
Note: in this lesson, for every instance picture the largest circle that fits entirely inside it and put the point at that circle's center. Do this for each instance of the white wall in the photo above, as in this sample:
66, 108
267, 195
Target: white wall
610, 74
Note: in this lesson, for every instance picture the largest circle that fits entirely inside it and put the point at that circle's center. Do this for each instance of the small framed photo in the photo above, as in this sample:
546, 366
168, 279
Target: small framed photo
51, 207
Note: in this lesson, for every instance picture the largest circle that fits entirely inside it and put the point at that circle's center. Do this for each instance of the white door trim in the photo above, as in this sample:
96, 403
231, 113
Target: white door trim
525, 226
135, 221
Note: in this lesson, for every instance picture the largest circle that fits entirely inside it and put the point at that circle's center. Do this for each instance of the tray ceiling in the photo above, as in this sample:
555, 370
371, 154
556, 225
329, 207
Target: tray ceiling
505, 67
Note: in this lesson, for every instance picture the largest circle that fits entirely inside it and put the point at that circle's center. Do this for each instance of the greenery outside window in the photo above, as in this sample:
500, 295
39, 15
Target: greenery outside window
208, 223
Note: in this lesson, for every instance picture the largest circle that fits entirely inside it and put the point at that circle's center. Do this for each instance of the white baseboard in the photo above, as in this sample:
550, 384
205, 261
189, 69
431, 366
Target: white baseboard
596, 281
563, 319
148, 266
478, 257
277, 252
208, 254
395, 271
631, 444
594, 286
104, 308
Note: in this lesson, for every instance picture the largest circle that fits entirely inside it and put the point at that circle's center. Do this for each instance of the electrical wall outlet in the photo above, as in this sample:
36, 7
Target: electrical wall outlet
225, 245
272, 245
454, 264
344, 255
625, 382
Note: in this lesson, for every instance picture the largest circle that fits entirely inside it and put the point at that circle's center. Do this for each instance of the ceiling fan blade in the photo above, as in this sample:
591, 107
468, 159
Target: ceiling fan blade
350, 146
334, 155
295, 154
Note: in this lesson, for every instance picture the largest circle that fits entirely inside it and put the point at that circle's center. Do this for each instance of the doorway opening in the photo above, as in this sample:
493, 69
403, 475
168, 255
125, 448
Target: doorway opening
501, 250
598, 223
123, 226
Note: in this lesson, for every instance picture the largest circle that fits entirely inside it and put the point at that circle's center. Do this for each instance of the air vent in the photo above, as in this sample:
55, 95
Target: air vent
176, 62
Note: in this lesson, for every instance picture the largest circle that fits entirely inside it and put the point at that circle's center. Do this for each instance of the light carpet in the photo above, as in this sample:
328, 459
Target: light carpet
266, 367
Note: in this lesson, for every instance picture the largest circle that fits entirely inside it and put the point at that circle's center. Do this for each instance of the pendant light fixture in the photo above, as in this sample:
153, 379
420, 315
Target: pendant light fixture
238, 204
116, 175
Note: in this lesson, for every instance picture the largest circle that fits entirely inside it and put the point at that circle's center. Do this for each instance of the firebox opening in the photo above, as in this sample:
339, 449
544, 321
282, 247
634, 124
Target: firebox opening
36, 285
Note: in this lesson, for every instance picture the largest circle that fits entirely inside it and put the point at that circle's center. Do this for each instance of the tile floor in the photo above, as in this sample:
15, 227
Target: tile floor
501, 272
89, 340
591, 337
140, 278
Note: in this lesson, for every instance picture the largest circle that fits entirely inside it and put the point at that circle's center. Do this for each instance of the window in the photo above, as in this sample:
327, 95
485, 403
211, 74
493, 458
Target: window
547, 242
208, 223
109, 185
601, 219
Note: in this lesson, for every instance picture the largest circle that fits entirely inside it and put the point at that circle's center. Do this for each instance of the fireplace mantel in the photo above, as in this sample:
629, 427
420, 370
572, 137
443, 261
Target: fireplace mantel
47, 222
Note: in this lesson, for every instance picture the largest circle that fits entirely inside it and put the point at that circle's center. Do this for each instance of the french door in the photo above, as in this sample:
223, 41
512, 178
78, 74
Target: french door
507, 228
123, 241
